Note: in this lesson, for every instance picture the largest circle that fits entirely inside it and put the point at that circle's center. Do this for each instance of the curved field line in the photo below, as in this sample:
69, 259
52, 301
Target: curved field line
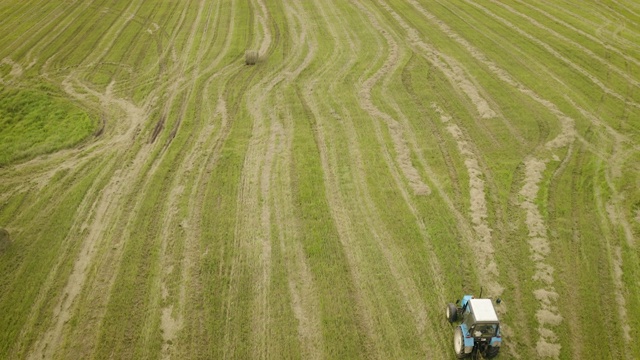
28, 36
40, 302
81, 25
312, 65
336, 202
172, 317
111, 36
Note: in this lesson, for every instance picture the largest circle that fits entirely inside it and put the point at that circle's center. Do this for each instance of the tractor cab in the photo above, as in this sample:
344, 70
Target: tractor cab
479, 331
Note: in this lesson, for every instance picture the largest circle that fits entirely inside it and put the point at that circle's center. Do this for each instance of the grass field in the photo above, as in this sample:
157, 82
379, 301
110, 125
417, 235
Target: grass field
382, 158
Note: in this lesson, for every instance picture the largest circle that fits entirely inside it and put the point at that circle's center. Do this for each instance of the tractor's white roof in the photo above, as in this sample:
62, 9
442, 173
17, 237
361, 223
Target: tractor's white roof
483, 310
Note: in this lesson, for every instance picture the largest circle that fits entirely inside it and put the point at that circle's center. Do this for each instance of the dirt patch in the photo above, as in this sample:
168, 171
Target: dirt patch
546, 349
16, 69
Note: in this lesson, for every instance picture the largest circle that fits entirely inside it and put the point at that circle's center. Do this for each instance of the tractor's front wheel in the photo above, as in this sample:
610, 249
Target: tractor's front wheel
458, 343
452, 312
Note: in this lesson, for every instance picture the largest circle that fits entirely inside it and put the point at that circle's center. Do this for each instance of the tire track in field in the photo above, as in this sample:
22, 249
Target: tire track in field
614, 212
171, 319
29, 326
10, 16
27, 36
45, 41
305, 303
619, 15
86, 32
261, 17
16, 69
336, 204
111, 36
206, 150
68, 39
120, 136
265, 171
62, 159
277, 167
408, 84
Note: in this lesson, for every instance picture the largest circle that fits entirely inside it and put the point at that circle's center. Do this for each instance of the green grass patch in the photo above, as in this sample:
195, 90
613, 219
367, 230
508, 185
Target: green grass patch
39, 121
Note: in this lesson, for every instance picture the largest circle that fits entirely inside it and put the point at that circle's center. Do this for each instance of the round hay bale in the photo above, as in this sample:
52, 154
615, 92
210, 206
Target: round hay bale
5, 241
250, 57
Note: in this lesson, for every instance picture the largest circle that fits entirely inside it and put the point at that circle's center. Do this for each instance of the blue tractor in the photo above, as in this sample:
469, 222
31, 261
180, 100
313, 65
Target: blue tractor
479, 331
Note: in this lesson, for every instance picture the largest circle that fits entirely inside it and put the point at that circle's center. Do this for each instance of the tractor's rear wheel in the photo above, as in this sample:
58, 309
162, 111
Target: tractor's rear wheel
458, 343
452, 312
491, 352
